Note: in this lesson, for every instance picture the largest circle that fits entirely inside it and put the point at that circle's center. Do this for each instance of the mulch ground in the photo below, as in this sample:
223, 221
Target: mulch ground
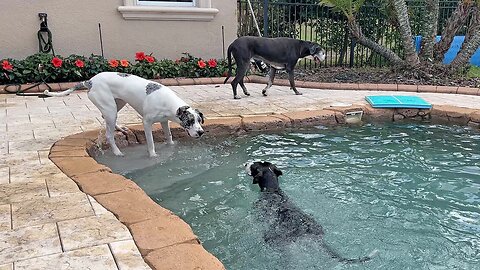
356, 75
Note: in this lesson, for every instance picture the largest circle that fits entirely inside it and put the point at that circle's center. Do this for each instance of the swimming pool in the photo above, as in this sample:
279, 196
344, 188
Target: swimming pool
411, 191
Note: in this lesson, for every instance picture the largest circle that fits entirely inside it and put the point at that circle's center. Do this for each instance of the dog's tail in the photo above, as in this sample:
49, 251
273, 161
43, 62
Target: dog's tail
67, 92
229, 61
340, 258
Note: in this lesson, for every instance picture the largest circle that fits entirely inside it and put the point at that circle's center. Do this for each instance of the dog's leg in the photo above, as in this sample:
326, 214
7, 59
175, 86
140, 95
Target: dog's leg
289, 69
242, 67
110, 120
107, 106
167, 132
245, 91
147, 127
271, 77
120, 104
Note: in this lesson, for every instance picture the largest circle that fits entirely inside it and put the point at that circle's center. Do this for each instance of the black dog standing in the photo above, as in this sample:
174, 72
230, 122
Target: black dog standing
279, 53
287, 222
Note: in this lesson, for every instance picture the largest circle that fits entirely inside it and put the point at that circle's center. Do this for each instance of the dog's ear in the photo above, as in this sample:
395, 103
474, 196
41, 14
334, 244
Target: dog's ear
277, 171
182, 110
201, 115
313, 49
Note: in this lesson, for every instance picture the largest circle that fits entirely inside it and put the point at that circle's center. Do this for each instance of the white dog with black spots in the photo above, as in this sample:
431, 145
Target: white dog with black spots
110, 91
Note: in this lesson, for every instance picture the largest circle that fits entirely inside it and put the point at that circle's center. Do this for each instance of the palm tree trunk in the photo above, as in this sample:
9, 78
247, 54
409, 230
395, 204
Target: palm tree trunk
401, 10
358, 35
454, 22
430, 32
470, 44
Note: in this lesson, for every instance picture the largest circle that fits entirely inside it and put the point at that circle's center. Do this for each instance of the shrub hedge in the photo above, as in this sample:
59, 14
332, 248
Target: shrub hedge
51, 68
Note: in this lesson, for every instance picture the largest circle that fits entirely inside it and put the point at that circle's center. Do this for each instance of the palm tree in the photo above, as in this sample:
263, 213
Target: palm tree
431, 53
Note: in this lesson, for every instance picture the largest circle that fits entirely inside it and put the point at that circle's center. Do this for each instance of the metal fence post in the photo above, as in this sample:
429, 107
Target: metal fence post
265, 18
352, 52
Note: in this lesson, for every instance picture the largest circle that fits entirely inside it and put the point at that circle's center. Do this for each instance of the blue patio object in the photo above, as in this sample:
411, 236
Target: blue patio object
453, 50
412, 102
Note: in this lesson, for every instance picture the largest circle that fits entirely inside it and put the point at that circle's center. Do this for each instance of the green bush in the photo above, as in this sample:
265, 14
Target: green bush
51, 68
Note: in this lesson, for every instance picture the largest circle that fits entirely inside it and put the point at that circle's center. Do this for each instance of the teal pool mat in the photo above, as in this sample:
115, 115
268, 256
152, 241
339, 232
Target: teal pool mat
398, 102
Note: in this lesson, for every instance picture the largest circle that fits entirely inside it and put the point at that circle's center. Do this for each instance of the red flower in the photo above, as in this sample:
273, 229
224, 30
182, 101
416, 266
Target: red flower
212, 63
124, 63
113, 63
139, 56
79, 63
177, 61
150, 59
6, 65
57, 62
201, 64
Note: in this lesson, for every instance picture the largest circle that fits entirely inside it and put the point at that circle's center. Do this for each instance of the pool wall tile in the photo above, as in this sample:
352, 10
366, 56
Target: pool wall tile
183, 256
312, 118
161, 232
222, 126
265, 122
374, 114
451, 114
131, 206
73, 166
97, 183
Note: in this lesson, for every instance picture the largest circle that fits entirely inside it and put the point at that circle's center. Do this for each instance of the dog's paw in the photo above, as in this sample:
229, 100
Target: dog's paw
298, 93
236, 97
264, 93
153, 155
246, 93
123, 130
118, 154
170, 143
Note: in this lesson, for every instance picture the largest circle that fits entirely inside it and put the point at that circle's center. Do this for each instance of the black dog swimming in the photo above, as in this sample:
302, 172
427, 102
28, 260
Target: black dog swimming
279, 53
287, 222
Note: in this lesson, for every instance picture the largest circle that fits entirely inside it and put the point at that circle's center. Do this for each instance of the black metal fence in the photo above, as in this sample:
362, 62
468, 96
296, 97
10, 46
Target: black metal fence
307, 20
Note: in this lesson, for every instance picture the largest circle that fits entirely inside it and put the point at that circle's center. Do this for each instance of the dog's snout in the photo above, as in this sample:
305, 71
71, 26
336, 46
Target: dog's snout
200, 133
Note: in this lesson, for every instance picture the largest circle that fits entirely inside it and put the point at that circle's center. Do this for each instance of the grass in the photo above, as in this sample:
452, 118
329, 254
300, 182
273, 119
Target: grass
473, 72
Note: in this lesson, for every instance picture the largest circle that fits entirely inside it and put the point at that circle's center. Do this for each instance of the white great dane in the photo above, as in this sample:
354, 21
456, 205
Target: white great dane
110, 91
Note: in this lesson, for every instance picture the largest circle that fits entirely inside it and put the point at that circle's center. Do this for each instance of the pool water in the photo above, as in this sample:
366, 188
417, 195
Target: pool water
410, 191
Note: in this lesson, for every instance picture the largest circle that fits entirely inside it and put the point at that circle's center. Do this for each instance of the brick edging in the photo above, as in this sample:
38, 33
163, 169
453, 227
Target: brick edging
283, 82
162, 237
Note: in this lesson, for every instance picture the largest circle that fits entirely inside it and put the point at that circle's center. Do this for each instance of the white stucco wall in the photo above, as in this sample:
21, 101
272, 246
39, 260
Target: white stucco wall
74, 25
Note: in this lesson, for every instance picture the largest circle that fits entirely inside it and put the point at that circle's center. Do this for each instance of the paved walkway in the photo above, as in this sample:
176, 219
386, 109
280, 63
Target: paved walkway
47, 223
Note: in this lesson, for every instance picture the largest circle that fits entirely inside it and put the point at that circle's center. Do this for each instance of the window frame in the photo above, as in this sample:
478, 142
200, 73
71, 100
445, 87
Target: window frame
201, 11
160, 3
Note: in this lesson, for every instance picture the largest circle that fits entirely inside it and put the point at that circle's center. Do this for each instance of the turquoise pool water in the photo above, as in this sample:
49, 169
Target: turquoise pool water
410, 191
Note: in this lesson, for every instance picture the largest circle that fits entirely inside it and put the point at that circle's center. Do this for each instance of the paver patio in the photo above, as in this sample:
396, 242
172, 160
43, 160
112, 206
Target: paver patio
46, 222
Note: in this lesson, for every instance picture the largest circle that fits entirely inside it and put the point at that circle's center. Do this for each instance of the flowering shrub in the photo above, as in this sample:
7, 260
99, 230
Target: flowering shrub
51, 68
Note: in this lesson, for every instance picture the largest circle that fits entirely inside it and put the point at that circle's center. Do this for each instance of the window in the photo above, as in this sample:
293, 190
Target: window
167, 3
168, 10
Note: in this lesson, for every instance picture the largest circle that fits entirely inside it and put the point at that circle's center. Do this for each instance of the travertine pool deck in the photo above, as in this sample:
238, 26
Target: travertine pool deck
46, 222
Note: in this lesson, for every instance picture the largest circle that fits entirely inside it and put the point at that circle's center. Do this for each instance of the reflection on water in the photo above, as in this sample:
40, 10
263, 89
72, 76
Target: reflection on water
410, 191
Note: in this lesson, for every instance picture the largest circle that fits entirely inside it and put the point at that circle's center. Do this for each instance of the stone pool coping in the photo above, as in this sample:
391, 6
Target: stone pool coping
283, 82
164, 239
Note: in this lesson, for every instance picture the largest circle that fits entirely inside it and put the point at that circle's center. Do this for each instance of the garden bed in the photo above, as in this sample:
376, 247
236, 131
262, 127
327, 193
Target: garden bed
377, 75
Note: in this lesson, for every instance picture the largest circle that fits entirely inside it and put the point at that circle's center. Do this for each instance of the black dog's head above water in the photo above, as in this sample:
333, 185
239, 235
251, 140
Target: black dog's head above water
287, 222
265, 174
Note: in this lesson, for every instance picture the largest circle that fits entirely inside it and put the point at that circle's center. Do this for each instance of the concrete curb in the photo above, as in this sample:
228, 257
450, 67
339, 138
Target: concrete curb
282, 82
